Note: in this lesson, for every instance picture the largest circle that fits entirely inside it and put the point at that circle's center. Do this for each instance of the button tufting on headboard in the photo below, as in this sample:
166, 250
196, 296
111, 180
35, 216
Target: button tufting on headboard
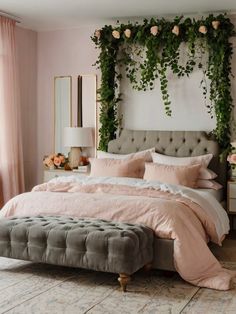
172, 143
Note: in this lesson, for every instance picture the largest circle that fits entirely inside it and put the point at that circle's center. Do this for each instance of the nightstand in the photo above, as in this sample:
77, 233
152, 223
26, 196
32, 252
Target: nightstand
50, 174
231, 200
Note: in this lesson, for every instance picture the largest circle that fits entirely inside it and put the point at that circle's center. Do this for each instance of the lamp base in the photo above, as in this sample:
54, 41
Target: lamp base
74, 157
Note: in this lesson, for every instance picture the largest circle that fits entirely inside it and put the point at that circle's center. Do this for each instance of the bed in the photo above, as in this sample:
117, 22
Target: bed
182, 219
172, 143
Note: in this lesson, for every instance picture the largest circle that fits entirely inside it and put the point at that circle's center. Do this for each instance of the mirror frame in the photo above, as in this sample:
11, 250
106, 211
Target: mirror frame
54, 107
80, 104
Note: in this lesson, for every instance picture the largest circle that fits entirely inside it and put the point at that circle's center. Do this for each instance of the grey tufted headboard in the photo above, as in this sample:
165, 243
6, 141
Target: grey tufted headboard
172, 143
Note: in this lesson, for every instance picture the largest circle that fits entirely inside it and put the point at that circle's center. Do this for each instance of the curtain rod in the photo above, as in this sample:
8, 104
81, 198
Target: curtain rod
10, 16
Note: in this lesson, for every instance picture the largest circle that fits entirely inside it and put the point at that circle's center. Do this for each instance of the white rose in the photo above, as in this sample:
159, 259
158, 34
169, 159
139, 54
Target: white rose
127, 33
97, 33
116, 34
175, 30
215, 24
154, 30
202, 29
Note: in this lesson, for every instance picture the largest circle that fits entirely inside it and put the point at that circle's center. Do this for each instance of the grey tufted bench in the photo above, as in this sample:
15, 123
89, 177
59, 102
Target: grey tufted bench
85, 243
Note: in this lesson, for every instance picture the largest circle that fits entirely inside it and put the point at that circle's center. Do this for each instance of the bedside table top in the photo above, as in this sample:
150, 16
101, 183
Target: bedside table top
55, 173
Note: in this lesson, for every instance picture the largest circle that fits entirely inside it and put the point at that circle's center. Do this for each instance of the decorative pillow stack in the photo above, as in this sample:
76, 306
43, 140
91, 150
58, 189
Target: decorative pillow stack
204, 178
118, 165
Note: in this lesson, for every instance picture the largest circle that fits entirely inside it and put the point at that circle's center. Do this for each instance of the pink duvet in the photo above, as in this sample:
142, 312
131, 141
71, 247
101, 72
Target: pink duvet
169, 215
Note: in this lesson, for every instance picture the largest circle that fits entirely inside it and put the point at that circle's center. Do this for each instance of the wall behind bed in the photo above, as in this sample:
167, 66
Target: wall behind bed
71, 52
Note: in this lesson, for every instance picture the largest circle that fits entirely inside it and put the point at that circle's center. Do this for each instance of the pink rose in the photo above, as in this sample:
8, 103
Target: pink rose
233, 159
175, 30
202, 29
48, 162
127, 33
57, 161
52, 156
97, 33
215, 24
154, 30
116, 34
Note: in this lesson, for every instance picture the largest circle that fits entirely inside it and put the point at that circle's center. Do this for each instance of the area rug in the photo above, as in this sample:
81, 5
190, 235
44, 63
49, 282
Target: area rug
39, 289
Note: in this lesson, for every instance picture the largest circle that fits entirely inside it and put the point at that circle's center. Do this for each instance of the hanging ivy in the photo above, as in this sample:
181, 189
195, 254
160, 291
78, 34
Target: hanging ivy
149, 50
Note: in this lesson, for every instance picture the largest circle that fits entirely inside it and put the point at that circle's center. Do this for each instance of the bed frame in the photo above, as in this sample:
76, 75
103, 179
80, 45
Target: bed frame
172, 143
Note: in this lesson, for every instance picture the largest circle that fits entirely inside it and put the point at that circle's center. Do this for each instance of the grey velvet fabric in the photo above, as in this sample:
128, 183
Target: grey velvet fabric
172, 143
86, 243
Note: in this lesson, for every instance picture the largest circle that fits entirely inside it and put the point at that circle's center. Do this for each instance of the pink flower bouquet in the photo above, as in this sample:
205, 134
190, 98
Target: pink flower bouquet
53, 161
232, 159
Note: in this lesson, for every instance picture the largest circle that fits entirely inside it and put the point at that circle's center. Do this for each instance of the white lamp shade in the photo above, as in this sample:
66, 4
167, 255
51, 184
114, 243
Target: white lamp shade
78, 137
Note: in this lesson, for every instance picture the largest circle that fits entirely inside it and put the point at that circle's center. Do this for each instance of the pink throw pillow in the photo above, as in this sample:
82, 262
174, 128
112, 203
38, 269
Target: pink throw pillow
202, 160
209, 184
133, 168
180, 175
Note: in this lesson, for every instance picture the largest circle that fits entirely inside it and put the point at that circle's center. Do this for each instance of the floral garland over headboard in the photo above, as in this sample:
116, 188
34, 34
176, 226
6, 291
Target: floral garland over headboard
147, 51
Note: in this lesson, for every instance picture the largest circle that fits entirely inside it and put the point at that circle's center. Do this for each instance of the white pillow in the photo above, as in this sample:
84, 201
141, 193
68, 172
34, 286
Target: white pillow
203, 160
145, 154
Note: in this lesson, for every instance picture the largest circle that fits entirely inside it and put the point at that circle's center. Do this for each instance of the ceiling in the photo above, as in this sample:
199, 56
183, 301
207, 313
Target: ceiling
58, 14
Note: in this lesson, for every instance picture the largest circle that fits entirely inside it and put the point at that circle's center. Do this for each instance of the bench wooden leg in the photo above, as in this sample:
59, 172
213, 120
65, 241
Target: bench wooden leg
123, 280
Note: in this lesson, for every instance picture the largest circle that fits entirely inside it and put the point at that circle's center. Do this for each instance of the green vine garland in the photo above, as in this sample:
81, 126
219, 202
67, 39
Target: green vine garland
149, 50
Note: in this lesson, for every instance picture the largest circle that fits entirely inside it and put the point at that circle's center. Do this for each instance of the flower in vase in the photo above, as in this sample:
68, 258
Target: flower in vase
232, 159
57, 161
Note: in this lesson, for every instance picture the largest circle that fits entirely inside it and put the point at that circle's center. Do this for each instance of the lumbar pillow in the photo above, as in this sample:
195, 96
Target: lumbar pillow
106, 167
180, 175
202, 160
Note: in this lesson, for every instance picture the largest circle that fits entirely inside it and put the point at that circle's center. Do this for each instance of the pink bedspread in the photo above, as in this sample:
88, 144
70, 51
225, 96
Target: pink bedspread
170, 216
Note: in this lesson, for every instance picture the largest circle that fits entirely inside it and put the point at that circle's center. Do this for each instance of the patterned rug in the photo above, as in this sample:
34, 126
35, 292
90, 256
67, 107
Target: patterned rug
40, 289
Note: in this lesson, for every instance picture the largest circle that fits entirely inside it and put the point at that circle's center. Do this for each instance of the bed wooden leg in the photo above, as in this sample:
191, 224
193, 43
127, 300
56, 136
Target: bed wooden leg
123, 280
147, 267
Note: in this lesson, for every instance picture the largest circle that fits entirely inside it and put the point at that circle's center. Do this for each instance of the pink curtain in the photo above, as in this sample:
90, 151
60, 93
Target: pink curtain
11, 155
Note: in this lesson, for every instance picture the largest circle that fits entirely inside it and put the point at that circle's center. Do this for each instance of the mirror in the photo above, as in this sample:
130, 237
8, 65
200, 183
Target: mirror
62, 110
87, 101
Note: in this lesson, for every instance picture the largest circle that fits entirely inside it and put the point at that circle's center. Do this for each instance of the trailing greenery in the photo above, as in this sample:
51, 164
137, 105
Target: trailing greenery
150, 50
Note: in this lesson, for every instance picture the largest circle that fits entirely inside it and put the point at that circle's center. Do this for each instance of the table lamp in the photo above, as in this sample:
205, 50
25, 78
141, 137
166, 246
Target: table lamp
76, 138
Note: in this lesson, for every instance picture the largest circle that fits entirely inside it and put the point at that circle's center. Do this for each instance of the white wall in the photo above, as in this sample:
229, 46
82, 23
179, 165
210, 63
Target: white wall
145, 110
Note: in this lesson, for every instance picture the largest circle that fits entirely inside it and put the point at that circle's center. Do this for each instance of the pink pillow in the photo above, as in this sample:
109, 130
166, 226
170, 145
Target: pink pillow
202, 160
145, 154
207, 174
107, 167
180, 175
209, 184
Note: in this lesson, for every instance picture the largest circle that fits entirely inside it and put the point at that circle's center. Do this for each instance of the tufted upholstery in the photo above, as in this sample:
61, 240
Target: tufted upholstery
86, 243
172, 143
